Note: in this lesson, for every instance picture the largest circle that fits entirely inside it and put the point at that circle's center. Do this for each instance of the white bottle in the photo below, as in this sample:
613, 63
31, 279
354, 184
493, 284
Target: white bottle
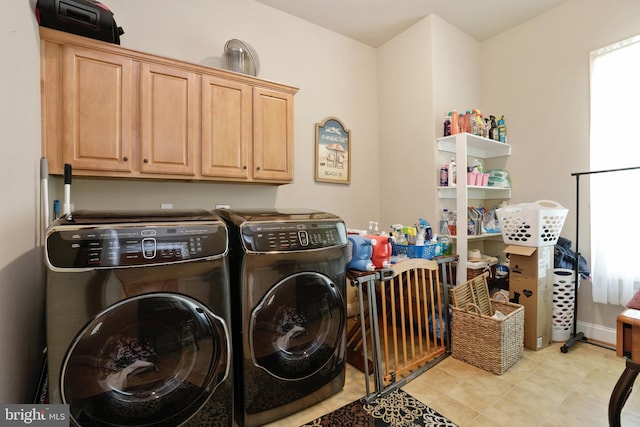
452, 173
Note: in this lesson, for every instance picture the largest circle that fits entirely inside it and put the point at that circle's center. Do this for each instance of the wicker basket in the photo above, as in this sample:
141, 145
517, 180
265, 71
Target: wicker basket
483, 341
474, 291
475, 269
473, 272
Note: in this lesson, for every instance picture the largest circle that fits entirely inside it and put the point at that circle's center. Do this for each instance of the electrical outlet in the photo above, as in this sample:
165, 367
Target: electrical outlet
166, 205
223, 206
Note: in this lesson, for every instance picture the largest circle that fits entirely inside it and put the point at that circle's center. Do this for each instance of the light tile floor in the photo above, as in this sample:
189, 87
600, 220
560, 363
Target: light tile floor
545, 388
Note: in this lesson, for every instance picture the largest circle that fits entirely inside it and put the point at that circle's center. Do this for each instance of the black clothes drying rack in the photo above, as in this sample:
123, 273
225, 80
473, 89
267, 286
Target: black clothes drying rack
579, 336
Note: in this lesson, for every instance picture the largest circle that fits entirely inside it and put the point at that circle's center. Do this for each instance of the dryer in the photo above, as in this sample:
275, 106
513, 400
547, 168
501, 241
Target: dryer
138, 318
289, 312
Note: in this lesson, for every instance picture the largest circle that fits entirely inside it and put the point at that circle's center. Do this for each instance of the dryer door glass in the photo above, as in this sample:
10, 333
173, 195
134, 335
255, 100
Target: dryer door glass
297, 326
149, 360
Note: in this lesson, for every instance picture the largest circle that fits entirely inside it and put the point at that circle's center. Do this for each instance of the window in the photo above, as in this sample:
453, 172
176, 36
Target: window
615, 143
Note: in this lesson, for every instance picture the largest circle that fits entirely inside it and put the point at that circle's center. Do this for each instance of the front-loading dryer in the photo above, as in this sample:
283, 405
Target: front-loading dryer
138, 318
289, 311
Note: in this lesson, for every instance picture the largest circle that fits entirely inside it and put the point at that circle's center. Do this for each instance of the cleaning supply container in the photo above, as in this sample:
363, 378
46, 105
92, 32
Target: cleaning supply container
360, 249
381, 247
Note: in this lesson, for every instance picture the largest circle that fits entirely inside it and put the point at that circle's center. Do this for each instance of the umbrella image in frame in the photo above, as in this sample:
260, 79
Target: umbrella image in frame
336, 155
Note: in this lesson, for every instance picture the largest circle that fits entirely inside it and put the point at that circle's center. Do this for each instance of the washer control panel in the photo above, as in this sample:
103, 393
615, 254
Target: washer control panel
281, 236
135, 245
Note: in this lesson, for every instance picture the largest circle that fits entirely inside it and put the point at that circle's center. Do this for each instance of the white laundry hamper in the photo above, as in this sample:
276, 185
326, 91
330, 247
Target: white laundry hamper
564, 284
532, 224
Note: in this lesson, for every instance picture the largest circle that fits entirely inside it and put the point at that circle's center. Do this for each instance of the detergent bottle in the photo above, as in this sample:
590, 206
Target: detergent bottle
361, 250
381, 256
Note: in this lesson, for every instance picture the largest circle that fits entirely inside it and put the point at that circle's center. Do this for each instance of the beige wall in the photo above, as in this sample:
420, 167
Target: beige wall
21, 277
536, 74
426, 71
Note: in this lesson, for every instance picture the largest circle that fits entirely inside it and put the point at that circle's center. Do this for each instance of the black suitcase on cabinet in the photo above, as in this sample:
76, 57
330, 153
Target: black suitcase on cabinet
88, 18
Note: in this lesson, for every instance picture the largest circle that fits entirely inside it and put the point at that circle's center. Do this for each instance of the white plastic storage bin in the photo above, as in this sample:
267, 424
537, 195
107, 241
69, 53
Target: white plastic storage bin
564, 286
532, 224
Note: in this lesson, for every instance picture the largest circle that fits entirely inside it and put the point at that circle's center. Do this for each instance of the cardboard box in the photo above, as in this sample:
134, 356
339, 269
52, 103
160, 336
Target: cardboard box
531, 276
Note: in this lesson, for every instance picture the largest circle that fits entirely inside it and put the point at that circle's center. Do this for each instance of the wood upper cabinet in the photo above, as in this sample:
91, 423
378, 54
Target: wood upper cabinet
226, 128
168, 120
247, 132
273, 135
114, 112
97, 101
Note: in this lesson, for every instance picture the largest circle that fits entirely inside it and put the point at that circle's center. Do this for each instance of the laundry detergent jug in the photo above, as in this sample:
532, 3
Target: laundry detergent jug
381, 257
361, 250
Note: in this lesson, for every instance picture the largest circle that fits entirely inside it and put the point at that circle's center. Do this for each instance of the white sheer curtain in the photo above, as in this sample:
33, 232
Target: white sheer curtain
615, 196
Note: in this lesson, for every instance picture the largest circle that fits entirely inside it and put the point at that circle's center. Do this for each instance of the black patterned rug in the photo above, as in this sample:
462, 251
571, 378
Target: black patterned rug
397, 408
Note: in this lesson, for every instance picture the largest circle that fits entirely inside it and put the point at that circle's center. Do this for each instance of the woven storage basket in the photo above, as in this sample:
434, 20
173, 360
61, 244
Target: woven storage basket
475, 269
488, 343
472, 273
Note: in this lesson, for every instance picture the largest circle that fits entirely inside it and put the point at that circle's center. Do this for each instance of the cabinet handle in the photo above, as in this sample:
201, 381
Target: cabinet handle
125, 158
244, 167
146, 160
258, 168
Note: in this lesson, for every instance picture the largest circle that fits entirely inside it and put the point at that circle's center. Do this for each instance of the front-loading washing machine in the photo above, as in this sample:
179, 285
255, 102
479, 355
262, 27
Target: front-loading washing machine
138, 318
289, 312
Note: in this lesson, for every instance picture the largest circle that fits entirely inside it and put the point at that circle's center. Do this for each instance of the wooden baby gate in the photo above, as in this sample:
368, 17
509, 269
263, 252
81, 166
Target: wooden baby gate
403, 315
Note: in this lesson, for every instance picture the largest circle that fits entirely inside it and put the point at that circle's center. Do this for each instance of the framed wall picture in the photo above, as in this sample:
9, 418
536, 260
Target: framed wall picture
333, 152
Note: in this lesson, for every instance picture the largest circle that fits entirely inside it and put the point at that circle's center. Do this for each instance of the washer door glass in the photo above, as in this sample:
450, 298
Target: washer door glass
297, 326
149, 360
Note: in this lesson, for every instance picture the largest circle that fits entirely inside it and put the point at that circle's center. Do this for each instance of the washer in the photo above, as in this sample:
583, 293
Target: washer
289, 311
138, 318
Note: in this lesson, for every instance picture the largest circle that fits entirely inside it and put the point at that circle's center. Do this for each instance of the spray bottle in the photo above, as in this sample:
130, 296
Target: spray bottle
397, 235
420, 234
479, 125
502, 130
493, 130
428, 232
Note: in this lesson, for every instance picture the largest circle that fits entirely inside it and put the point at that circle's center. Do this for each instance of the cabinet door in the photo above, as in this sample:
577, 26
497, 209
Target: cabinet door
226, 128
168, 120
273, 135
97, 98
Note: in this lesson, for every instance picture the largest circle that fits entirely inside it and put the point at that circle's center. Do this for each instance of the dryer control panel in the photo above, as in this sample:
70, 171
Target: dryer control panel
279, 236
110, 247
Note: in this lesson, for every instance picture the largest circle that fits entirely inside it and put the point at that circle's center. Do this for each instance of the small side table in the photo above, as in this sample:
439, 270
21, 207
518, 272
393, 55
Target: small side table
628, 346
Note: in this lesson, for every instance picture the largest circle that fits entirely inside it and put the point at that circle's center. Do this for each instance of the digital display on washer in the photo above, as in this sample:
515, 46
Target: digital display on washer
130, 246
292, 236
